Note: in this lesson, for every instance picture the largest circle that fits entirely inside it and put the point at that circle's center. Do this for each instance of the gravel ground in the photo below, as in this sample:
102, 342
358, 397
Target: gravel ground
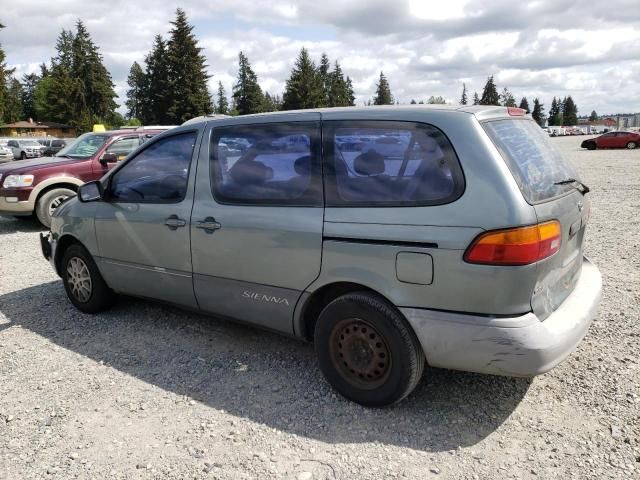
149, 391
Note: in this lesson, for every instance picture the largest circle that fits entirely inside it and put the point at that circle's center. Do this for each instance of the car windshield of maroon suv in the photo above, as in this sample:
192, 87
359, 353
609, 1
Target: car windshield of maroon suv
85, 146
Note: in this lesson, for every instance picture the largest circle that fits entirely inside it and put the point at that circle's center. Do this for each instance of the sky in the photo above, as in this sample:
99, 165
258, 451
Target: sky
589, 50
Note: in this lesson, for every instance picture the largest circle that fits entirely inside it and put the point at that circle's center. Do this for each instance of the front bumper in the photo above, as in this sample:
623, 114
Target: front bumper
15, 208
519, 346
48, 247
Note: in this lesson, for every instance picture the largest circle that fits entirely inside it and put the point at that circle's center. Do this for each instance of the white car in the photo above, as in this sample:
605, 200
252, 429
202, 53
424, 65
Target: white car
6, 154
25, 149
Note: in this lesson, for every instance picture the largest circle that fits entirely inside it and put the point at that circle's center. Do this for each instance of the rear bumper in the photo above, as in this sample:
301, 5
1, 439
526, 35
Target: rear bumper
519, 346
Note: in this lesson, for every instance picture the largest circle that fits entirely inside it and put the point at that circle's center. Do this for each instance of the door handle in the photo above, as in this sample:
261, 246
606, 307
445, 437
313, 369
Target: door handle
209, 225
173, 222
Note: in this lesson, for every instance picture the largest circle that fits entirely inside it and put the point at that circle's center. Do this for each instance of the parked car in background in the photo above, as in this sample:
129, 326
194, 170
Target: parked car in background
454, 238
52, 145
628, 140
6, 154
40, 185
25, 148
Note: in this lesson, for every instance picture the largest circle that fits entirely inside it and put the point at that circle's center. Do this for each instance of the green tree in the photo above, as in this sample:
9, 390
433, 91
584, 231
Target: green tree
247, 94
490, 93
593, 117
506, 98
40, 98
137, 81
383, 92
157, 101
476, 98
463, 98
272, 103
555, 112
13, 103
304, 87
340, 89
326, 80
189, 95
29, 84
5, 76
570, 111
436, 100
538, 112
222, 107
524, 104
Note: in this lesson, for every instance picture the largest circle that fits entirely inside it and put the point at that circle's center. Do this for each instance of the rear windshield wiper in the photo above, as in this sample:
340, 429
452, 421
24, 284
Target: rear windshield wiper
581, 187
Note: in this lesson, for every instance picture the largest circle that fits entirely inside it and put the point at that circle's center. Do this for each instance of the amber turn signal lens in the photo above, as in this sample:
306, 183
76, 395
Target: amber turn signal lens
516, 246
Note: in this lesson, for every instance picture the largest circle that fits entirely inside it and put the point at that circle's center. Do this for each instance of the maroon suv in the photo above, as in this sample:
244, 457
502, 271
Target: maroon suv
40, 185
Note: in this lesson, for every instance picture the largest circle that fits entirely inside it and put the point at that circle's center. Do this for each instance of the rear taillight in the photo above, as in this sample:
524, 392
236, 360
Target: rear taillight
516, 112
515, 246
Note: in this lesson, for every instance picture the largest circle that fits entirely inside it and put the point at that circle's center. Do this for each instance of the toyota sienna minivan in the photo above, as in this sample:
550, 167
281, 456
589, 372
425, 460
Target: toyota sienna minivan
390, 237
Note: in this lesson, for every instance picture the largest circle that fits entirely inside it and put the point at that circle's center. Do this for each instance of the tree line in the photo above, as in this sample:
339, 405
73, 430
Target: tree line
172, 86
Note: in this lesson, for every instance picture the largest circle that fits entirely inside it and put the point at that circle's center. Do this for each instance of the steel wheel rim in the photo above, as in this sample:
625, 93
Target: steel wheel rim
359, 353
631, 145
79, 279
56, 202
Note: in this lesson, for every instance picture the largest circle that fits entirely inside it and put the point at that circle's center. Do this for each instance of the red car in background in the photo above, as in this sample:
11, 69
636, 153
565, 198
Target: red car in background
628, 140
39, 185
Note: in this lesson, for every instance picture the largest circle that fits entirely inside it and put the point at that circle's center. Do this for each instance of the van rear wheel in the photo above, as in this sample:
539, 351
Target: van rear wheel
367, 351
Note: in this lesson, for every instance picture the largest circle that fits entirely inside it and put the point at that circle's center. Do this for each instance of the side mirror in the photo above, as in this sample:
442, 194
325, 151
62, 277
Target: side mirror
108, 158
90, 192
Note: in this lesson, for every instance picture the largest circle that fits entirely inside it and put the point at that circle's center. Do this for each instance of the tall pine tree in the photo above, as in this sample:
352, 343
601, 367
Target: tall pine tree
383, 92
524, 104
187, 73
304, 87
340, 88
506, 98
247, 94
326, 82
476, 98
490, 93
5, 74
463, 98
594, 116
137, 91
222, 106
570, 113
538, 112
157, 86
29, 84
13, 103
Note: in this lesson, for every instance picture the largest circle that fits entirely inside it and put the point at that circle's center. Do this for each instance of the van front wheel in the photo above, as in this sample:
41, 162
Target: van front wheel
367, 351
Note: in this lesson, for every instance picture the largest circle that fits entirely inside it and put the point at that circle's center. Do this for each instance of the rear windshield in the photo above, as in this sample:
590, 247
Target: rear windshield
534, 161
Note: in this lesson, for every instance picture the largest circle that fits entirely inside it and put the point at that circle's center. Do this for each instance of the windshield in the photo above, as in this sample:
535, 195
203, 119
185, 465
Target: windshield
84, 146
29, 143
536, 164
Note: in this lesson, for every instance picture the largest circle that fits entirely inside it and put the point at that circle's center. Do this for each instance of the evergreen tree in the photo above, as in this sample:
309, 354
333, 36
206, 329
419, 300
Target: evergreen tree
156, 104
383, 92
13, 103
463, 98
29, 84
5, 76
222, 107
137, 90
40, 96
436, 100
340, 89
506, 98
490, 93
524, 104
272, 103
326, 80
187, 73
247, 94
593, 117
570, 112
476, 99
413, 102
555, 112
538, 112
304, 87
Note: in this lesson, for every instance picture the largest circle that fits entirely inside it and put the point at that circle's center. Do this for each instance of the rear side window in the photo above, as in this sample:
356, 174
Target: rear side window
267, 164
534, 161
380, 163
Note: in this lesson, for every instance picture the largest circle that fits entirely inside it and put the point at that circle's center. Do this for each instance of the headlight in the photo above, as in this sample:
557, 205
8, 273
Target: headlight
14, 181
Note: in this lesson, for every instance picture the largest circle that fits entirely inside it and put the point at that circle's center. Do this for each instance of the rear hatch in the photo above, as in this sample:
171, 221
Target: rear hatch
552, 186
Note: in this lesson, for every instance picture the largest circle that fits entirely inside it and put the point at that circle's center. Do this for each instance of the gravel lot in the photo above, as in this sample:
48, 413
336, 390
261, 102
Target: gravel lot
149, 391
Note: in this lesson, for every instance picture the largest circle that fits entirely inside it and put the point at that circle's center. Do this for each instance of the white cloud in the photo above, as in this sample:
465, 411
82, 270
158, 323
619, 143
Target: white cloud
541, 48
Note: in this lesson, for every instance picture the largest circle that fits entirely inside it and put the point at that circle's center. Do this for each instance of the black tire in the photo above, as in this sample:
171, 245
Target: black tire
631, 145
23, 156
359, 332
100, 296
48, 201
591, 146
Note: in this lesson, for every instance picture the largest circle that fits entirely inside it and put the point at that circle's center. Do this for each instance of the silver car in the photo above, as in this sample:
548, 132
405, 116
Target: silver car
23, 149
454, 238
6, 154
